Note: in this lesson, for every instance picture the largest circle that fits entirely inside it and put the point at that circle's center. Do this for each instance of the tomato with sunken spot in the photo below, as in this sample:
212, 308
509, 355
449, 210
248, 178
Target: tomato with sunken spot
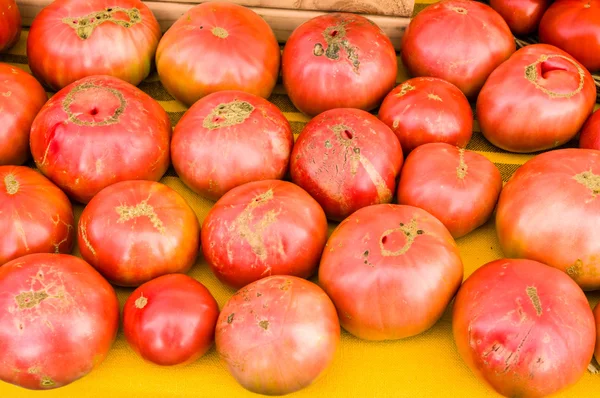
522, 16
10, 24
590, 133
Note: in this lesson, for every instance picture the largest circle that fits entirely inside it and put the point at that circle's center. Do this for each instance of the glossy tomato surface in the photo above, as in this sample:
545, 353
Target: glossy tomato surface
170, 320
391, 271
58, 320
230, 138
98, 131
550, 211
338, 60
135, 231
36, 216
522, 16
574, 26
537, 100
590, 133
278, 335
523, 328
426, 109
264, 228
73, 39
460, 188
461, 41
346, 159
21, 98
10, 24
218, 46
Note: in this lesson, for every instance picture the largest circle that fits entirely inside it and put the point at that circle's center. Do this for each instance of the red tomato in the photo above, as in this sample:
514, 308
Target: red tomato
73, 39
170, 320
10, 24
574, 26
461, 41
590, 134
346, 159
229, 138
425, 109
58, 320
264, 228
278, 335
597, 318
218, 46
135, 231
98, 131
21, 98
391, 271
35, 215
338, 60
522, 16
525, 329
537, 100
550, 211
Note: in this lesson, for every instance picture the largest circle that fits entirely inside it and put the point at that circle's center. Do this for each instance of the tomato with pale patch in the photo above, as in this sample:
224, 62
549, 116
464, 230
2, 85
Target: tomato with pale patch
10, 24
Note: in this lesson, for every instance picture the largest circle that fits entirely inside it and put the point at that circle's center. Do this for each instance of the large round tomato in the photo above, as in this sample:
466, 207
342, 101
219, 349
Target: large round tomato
278, 335
98, 131
537, 100
461, 41
218, 46
524, 328
460, 188
391, 271
574, 26
426, 109
135, 231
522, 16
58, 319
170, 320
229, 138
338, 60
264, 228
36, 216
10, 24
346, 159
590, 133
550, 211
21, 98
73, 39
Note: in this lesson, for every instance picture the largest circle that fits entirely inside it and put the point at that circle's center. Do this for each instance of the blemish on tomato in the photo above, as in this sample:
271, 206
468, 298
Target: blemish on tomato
264, 324
11, 184
141, 302
230, 318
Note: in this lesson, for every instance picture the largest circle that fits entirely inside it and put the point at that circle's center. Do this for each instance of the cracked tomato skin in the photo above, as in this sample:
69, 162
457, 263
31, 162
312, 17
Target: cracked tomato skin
346, 159
58, 320
590, 133
523, 328
98, 131
73, 39
10, 24
229, 138
391, 271
264, 228
549, 212
36, 216
135, 231
522, 16
278, 335
218, 46
21, 98
338, 60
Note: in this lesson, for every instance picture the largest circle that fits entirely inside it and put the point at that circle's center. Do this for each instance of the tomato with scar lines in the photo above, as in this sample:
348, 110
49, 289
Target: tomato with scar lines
10, 24
523, 328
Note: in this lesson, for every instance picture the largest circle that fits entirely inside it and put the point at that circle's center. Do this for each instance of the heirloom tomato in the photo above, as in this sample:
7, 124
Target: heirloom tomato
590, 134
10, 24
522, 16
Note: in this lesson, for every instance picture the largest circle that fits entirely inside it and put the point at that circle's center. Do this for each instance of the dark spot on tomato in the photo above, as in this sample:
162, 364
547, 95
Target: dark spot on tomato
384, 239
109, 9
356, 150
258, 294
401, 224
333, 33
201, 27
264, 324
94, 111
420, 232
366, 253
348, 134
230, 317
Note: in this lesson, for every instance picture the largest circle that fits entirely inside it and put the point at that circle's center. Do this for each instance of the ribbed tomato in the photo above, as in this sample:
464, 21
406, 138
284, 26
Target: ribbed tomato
590, 133
522, 16
10, 24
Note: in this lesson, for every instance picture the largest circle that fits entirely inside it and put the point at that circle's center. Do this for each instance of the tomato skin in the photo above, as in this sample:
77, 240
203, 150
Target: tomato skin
346, 159
391, 271
338, 60
36, 216
565, 181
478, 34
218, 46
170, 320
574, 26
21, 98
98, 131
216, 150
597, 318
10, 24
522, 16
264, 228
537, 100
135, 231
590, 133
278, 335
58, 320
524, 328
425, 109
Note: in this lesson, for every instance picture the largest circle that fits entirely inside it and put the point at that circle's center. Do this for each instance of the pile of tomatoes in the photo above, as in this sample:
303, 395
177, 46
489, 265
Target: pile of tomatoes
400, 182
